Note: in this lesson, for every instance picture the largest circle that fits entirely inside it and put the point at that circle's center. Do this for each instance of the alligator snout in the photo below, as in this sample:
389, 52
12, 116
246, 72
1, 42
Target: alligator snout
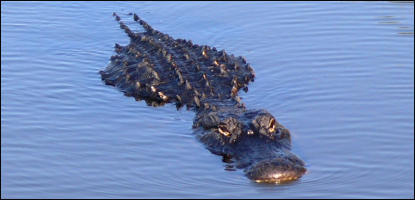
277, 170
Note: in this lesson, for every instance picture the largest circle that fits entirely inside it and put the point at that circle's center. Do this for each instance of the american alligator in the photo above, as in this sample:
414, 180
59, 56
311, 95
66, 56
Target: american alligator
159, 69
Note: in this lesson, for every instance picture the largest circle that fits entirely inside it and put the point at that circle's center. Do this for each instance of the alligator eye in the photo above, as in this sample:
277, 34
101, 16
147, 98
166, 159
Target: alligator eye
223, 130
271, 125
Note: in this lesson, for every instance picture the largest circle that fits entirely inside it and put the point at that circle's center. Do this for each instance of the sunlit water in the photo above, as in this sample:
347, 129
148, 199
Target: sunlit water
339, 75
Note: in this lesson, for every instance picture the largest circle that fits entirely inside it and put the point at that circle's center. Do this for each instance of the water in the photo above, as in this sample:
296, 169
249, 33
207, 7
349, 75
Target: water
339, 75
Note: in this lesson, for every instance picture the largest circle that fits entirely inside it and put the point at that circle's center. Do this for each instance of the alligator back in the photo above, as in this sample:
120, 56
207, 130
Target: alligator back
159, 69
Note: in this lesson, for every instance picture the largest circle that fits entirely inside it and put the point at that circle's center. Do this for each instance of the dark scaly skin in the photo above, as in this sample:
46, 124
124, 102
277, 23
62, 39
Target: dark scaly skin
159, 69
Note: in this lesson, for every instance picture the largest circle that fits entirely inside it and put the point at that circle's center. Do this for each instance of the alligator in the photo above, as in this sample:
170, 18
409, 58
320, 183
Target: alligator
160, 69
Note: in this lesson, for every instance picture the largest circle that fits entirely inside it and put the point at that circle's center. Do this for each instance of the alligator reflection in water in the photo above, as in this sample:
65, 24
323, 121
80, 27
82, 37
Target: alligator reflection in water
159, 69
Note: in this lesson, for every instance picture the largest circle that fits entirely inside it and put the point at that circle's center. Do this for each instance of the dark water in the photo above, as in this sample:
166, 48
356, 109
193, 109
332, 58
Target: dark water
339, 75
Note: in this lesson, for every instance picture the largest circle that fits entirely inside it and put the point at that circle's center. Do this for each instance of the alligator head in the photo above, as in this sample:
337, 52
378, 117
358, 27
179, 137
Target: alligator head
253, 138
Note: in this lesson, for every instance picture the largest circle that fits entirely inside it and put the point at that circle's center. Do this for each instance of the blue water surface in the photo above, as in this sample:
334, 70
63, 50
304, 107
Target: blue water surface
339, 75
